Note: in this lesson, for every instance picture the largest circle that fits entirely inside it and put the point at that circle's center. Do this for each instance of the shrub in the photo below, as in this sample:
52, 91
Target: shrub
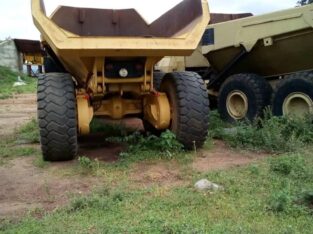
280, 201
29, 132
289, 165
87, 164
306, 198
166, 145
272, 134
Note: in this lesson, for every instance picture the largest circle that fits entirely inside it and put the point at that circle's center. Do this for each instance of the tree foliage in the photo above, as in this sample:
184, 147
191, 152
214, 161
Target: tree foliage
304, 2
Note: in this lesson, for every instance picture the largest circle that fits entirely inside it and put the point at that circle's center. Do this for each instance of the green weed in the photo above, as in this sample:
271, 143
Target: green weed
280, 201
7, 79
251, 203
272, 134
29, 133
165, 143
94, 201
39, 162
306, 198
150, 147
110, 130
88, 165
293, 165
16, 145
217, 126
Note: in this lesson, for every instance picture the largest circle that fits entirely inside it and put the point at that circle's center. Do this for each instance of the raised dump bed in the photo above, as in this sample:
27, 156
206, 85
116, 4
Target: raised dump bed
100, 62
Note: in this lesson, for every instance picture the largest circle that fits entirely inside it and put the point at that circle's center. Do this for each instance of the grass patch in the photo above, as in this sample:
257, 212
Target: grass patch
141, 147
271, 134
272, 196
87, 165
39, 162
256, 199
29, 133
17, 145
293, 165
110, 130
8, 78
11, 151
166, 144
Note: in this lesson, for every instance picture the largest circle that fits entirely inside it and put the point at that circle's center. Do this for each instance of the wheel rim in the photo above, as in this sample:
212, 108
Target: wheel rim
298, 105
237, 105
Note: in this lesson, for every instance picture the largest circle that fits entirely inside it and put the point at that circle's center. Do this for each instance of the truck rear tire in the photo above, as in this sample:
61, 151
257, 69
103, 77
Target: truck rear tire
157, 80
244, 97
57, 116
189, 103
294, 95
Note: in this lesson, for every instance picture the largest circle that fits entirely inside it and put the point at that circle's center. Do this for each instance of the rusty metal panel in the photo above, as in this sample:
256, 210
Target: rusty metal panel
102, 22
219, 18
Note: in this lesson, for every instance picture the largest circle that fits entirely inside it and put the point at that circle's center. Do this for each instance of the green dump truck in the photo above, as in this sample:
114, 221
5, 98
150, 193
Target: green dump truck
255, 62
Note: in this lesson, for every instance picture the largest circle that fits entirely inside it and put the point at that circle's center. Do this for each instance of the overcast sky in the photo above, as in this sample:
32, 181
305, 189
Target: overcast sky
16, 21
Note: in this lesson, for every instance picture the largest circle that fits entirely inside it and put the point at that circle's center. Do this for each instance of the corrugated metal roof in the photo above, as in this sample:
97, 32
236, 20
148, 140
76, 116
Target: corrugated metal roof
28, 46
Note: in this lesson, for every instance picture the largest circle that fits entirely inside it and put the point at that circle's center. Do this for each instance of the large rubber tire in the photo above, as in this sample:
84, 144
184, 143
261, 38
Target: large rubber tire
244, 97
57, 117
157, 79
189, 103
296, 88
52, 66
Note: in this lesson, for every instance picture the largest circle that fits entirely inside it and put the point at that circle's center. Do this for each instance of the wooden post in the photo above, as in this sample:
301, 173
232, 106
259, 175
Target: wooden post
40, 69
29, 70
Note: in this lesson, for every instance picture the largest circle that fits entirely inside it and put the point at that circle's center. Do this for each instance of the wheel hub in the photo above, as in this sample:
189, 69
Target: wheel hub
298, 104
237, 105
84, 114
157, 110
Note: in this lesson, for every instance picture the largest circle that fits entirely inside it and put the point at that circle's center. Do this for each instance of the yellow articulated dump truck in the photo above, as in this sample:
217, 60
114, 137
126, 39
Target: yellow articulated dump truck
100, 63
255, 62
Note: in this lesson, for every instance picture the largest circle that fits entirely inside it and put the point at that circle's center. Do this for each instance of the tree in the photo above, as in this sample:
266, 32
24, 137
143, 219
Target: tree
304, 2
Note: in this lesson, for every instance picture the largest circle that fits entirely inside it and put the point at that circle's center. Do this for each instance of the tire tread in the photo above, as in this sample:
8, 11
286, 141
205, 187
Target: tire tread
193, 108
57, 116
261, 88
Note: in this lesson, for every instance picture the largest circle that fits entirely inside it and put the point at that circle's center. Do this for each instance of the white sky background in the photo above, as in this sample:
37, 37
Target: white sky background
16, 20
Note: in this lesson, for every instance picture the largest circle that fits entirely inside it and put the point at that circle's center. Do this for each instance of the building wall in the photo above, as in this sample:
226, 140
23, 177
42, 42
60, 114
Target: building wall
9, 56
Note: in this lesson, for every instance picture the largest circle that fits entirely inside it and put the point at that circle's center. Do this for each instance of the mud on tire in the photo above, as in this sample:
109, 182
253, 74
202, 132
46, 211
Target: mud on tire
57, 116
189, 107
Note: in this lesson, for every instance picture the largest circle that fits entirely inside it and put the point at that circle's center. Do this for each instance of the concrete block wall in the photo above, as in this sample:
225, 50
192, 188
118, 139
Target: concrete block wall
9, 56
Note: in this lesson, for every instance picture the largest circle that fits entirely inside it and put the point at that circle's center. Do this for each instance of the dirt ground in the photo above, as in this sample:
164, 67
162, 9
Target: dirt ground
27, 188
16, 111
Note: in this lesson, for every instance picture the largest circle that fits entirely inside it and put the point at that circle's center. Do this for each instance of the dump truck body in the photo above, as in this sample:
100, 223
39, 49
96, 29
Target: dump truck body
260, 62
269, 45
77, 40
247, 59
111, 54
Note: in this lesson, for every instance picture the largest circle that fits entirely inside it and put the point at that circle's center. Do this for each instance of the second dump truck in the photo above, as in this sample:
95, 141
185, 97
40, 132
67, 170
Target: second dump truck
255, 62
100, 63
